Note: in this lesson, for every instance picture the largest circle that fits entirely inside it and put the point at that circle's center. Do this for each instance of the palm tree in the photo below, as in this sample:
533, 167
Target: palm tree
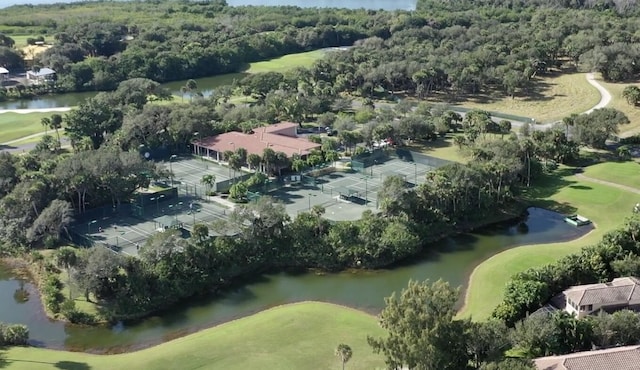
268, 158
45, 122
569, 121
192, 87
331, 156
344, 352
209, 181
66, 257
55, 123
254, 161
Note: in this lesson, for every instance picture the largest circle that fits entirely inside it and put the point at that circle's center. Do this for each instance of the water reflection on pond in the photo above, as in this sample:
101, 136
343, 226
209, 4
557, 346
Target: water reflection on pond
364, 290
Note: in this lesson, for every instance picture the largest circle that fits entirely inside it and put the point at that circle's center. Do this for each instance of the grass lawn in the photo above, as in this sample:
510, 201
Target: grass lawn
625, 173
620, 103
21, 40
286, 62
559, 96
441, 148
297, 336
607, 207
15, 125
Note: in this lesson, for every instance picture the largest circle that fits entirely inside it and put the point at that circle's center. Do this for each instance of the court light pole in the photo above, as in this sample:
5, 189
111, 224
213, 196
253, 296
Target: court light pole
415, 174
310, 195
366, 191
89, 226
171, 168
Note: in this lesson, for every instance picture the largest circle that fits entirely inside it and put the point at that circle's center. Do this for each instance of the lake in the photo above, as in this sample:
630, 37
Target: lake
350, 4
364, 290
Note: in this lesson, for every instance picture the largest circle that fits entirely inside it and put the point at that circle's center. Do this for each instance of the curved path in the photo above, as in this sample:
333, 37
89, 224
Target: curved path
36, 110
605, 96
608, 183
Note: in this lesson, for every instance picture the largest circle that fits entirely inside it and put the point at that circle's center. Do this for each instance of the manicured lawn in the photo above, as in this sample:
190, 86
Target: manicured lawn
558, 97
14, 125
286, 62
441, 148
21, 40
297, 336
607, 207
625, 173
620, 103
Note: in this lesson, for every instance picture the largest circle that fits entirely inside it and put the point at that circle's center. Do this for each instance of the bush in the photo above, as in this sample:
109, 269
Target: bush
52, 295
15, 335
68, 310
51, 242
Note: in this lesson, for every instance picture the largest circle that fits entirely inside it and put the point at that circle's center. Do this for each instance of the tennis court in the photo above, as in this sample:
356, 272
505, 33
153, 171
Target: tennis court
123, 232
188, 172
345, 195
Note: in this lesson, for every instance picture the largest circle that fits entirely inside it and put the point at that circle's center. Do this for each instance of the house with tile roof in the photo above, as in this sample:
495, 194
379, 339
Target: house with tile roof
584, 300
280, 137
619, 358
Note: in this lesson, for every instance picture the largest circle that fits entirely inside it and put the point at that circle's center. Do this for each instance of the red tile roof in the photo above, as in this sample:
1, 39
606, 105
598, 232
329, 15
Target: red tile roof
280, 137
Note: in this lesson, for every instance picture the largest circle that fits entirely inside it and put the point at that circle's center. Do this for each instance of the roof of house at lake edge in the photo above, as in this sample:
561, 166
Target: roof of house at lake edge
620, 358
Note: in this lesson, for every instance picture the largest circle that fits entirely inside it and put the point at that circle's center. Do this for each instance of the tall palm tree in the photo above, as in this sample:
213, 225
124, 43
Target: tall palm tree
209, 181
55, 123
344, 352
66, 257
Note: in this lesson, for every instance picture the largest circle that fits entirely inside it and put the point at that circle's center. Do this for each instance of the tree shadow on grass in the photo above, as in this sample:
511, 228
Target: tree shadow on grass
548, 185
3, 360
71, 365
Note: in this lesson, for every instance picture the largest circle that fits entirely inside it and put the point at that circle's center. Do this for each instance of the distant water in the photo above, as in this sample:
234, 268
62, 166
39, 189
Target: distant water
351, 4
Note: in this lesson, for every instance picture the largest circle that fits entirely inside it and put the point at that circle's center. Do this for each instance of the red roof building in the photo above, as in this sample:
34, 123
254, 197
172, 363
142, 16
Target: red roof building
281, 137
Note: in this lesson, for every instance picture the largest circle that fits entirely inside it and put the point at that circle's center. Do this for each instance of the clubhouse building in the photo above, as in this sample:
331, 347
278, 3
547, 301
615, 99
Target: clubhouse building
280, 137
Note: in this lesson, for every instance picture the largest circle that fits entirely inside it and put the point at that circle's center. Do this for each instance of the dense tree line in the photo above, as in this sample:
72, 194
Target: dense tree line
616, 255
455, 47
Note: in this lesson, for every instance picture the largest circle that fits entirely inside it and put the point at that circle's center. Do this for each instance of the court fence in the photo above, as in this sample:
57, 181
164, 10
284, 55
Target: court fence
427, 160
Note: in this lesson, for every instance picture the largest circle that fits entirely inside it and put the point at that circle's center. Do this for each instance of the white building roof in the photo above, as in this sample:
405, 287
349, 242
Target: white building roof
3, 70
43, 72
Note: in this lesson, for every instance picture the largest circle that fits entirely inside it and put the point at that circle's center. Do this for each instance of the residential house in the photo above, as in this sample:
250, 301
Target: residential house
41, 76
584, 300
620, 358
4, 74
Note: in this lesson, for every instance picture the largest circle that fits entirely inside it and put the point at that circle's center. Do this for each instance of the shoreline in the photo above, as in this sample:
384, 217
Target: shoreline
516, 211
473, 273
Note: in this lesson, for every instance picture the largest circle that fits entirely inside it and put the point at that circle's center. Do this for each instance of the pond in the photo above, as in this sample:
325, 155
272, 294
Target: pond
206, 85
363, 290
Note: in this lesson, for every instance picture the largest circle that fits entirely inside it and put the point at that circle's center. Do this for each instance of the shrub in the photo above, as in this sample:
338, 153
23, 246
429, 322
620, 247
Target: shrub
15, 335
51, 242
68, 310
